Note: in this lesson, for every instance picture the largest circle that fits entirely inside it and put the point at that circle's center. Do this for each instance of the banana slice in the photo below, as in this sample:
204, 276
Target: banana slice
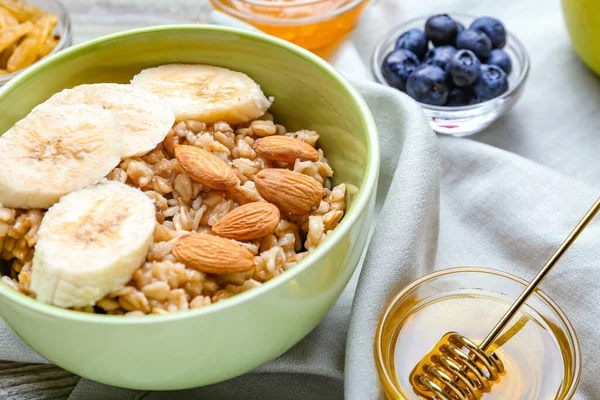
144, 117
205, 93
51, 153
90, 243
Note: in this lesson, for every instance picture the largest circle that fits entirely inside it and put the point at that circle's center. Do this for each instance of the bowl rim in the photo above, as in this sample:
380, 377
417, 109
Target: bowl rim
375, 67
361, 202
281, 4
65, 41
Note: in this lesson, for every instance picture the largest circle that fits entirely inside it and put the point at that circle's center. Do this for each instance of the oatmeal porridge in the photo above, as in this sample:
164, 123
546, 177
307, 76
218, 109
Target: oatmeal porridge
234, 199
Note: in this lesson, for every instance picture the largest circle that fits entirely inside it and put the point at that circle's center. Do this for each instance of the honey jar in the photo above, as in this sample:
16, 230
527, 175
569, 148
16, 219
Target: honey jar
317, 25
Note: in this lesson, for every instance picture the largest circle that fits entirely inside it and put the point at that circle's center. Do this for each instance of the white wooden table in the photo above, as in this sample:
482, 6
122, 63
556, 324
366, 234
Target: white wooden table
93, 18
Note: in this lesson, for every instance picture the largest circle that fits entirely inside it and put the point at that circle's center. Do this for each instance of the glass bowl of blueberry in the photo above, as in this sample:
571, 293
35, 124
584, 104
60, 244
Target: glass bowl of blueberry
465, 71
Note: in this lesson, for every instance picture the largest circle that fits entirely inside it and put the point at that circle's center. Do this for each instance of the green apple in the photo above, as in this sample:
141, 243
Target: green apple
583, 23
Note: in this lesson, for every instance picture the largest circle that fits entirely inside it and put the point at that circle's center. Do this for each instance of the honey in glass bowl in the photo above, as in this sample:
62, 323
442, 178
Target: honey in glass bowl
317, 25
539, 348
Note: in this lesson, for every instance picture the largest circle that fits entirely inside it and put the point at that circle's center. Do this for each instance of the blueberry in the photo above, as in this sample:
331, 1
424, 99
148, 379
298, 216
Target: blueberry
460, 27
397, 67
492, 83
459, 97
441, 29
476, 41
493, 28
463, 67
428, 85
439, 56
413, 40
501, 59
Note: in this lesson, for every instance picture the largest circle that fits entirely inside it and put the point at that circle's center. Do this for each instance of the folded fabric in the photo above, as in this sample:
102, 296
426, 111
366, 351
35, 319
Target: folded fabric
497, 210
502, 211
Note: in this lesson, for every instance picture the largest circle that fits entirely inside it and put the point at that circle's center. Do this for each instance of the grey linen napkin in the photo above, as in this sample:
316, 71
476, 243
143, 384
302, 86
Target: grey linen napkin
501, 211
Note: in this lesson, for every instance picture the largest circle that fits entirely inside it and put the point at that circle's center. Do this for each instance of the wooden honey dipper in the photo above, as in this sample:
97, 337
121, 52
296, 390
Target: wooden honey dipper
449, 372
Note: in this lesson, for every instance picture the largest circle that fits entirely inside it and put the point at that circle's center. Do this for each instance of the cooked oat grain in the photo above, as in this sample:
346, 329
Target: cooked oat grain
163, 284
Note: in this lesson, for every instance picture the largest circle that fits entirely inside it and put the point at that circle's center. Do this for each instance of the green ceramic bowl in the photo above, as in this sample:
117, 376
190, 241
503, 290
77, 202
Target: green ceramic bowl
234, 336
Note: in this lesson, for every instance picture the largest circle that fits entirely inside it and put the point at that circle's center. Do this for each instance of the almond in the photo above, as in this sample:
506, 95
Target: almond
206, 168
212, 254
285, 149
247, 222
291, 191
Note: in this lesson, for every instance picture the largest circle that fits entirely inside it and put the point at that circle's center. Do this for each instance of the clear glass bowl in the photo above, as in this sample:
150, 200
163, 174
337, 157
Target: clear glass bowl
465, 120
317, 25
405, 322
62, 29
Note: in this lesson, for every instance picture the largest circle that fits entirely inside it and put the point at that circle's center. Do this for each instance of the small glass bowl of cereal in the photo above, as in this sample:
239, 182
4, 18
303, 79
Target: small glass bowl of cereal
37, 28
